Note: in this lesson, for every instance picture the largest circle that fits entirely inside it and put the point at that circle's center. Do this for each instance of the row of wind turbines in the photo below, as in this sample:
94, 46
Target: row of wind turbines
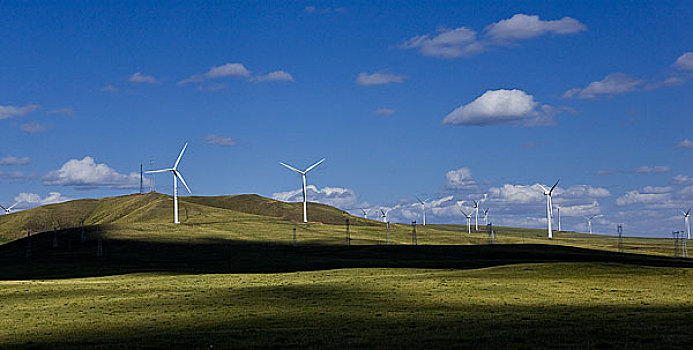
548, 193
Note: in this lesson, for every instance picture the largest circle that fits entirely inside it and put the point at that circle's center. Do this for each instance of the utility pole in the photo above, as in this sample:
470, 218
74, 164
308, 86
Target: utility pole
413, 233
619, 229
348, 235
141, 180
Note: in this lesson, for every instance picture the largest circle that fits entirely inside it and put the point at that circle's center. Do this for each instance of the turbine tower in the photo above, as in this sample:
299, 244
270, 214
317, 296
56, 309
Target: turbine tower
383, 215
176, 176
9, 209
548, 193
686, 220
303, 177
558, 209
589, 221
476, 220
486, 216
423, 207
469, 220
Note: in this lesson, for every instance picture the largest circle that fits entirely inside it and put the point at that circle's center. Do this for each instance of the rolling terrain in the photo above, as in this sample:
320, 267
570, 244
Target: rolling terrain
230, 276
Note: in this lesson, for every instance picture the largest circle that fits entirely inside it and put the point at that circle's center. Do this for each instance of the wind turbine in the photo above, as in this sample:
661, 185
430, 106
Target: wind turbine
589, 221
686, 220
549, 208
558, 209
486, 216
176, 176
303, 177
423, 207
469, 220
383, 215
9, 209
365, 213
476, 220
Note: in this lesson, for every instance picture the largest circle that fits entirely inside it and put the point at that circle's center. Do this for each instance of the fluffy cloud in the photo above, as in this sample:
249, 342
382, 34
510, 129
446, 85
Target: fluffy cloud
653, 169
685, 144
612, 84
33, 127
446, 43
110, 88
223, 71
7, 112
141, 78
15, 161
584, 191
459, 179
279, 75
334, 196
34, 199
685, 61
219, 140
517, 194
682, 180
62, 111
580, 209
384, 111
502, 107
86, 173
378, 78
521, 26
637, 197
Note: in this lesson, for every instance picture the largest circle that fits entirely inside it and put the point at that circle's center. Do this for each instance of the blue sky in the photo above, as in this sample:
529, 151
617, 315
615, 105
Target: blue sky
447, 100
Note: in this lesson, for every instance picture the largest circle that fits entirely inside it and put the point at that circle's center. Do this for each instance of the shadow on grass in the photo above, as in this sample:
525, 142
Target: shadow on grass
74, 259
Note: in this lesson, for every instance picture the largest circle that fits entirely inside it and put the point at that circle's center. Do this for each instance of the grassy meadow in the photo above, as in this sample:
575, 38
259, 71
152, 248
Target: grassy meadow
230, 276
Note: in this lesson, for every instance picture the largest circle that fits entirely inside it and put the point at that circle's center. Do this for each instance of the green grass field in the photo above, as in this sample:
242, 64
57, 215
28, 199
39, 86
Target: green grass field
229, 276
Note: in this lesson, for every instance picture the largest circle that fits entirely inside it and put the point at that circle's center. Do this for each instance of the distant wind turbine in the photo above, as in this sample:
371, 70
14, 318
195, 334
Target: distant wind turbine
176, 176
365, 213
558, 209
486, 216
423, 207
9, 209
686, 220
549, 208
476, 220
469, 220
383, 215
303, 177
589, 221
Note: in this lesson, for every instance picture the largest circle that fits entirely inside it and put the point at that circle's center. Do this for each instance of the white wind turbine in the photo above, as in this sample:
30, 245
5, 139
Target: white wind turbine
303, 177
549, 208
365, 213
383, 215
558, 210
176, 176
423, 207
476, 220
686, 220
486, 216
9, 209
469, 220
589, 221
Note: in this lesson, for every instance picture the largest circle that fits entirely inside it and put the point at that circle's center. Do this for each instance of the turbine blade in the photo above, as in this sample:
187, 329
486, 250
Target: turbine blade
688, 211
554, 186
543, 188
180, 177
3, 208
158, 171
291, 168
175, 166
13, 205
314, 165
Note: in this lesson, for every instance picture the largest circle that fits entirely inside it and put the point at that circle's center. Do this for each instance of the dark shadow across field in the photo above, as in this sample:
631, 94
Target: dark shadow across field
73, 259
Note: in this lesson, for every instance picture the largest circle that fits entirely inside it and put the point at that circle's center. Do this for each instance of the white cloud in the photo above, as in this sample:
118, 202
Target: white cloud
521, 26
580, 209
33, 127
612, 84
34, 199
279, 75
141, 78
86, 173
682, 180
7, 112
653, 169
685, 61
110, 88
447, 43
516, 194
378, 78
585, 191
459, 179
15, 161
223, 71
657, 189
219, 140
685, 144
62, 111
16, 176
334, 196
637, 197
502, 107
384, 111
